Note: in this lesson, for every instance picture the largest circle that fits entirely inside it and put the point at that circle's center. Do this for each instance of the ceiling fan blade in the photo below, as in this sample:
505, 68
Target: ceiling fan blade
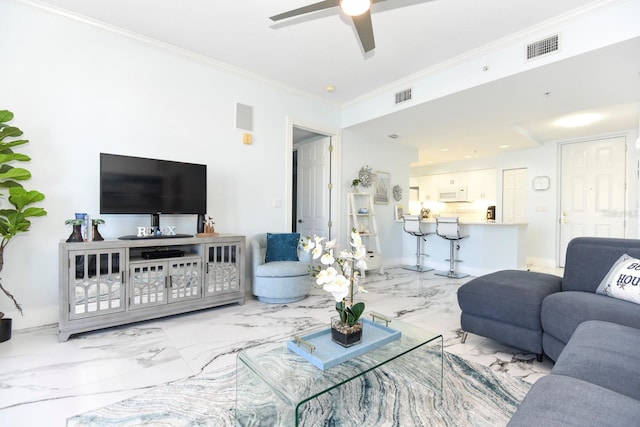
306, 9
365, 30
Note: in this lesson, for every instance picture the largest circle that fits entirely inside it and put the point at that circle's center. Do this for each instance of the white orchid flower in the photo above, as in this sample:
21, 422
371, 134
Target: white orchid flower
307, 244
317, 251
338, 287
327, 258
330, 244
344, 254
360, 252
356, 240
361, 265
326, 276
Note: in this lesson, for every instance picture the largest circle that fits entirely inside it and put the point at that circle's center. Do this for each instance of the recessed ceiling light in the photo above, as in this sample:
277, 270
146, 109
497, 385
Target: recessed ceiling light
467, 156
504, 146
577, 120
329, 88
444, 149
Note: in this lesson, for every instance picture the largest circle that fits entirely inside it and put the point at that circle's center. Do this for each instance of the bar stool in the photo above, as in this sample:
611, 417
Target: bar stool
449, 229
413, 226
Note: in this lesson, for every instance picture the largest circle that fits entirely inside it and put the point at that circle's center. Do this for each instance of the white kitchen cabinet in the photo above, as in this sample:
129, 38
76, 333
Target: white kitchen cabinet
429, 188
457, 179
482, 185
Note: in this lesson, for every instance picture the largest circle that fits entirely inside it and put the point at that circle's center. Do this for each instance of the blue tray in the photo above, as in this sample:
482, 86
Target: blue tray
328, 354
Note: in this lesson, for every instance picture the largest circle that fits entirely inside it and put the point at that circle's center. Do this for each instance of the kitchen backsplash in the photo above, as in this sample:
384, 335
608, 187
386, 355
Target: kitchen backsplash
476, 211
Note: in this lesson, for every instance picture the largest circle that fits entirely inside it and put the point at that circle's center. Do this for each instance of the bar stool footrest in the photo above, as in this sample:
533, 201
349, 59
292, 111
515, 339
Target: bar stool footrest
450, 274
418, 268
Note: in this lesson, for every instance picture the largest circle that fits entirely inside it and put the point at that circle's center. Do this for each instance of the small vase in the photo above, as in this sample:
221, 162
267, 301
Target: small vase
76, 234
344, 334
97, 237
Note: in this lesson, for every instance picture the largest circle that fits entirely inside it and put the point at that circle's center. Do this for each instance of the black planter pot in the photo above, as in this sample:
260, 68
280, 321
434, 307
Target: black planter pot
344, 335
97, 237
76, 234
5, 329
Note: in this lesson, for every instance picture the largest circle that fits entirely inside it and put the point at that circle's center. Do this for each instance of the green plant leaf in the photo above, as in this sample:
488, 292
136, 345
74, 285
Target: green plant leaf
9, 131
8, 184
5, 146
6, 157
33, 211
16, 173
19, 197
5, 116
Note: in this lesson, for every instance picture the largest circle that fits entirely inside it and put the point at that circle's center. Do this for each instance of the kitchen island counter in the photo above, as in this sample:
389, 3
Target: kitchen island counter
491, 246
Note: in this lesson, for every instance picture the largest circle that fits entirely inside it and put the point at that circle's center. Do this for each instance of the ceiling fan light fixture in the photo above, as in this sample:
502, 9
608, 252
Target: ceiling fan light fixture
355, 7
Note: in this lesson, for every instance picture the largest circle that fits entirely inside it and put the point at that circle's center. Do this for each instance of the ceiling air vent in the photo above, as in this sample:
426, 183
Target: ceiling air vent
542, 47
403, 96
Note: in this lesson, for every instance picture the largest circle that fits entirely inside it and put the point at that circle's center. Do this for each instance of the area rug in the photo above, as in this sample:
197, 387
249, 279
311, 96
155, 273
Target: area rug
472, 395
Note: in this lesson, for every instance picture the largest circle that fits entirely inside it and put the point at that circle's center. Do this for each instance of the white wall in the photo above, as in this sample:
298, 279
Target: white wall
381, 156
77, 90
542, 206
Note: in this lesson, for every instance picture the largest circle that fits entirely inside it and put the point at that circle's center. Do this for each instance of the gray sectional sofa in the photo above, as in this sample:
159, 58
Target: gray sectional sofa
594, 338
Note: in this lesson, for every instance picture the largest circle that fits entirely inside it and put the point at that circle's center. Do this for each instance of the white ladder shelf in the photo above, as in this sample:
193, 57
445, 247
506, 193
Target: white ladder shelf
362, 217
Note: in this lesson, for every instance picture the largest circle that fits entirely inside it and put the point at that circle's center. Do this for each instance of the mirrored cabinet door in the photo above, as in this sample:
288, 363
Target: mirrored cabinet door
96, 282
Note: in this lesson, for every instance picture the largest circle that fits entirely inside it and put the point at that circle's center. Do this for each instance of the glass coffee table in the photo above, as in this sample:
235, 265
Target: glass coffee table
275, 386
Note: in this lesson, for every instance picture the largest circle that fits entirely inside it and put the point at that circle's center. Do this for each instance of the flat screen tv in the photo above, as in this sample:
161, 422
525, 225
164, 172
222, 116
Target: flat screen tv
136, 185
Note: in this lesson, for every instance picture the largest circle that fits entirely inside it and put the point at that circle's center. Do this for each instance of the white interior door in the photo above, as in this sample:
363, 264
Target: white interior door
514, 195
592, 190
313, 191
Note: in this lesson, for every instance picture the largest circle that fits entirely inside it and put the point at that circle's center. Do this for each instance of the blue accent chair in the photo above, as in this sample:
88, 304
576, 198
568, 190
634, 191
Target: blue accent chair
279, 282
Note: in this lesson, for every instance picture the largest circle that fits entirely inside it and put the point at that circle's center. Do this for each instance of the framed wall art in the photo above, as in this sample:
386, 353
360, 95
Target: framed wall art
399, 213
381, 190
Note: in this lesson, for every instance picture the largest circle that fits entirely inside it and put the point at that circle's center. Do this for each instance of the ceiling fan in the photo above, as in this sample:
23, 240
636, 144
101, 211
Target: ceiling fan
359, 10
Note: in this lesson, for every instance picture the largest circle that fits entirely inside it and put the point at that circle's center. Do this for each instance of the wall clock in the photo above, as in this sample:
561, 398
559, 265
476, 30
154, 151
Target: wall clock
541, 183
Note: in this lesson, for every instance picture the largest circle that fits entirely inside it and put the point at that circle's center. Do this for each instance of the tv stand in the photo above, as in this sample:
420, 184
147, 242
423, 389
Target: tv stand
164, 236
116, 282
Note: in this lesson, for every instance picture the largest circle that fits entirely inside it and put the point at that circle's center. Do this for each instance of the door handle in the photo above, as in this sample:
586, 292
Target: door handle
300, 221
564, 219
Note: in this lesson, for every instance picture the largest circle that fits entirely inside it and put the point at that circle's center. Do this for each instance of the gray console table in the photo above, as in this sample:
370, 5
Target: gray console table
115, 282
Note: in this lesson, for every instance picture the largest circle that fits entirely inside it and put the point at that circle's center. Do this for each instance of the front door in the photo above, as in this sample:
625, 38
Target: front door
592, 190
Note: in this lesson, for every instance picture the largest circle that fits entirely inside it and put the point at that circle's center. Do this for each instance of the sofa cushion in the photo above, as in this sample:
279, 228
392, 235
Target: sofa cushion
557, 400
282, 247
623, 280
282, 269
605, 354
562, 312
590, 258
508, 296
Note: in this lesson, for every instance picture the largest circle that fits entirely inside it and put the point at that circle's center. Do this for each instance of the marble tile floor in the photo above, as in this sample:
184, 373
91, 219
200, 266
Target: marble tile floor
44, 382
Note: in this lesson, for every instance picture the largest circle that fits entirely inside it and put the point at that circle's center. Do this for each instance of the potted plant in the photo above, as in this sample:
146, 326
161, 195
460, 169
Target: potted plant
354, 184
95, 233
339, 276
76, 234
15, 206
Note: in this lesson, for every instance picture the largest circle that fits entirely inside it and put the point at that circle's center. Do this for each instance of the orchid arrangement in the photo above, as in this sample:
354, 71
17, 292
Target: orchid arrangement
339, 275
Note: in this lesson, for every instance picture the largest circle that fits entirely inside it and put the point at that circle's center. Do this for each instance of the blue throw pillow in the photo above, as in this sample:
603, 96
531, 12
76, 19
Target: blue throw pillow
282, 247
